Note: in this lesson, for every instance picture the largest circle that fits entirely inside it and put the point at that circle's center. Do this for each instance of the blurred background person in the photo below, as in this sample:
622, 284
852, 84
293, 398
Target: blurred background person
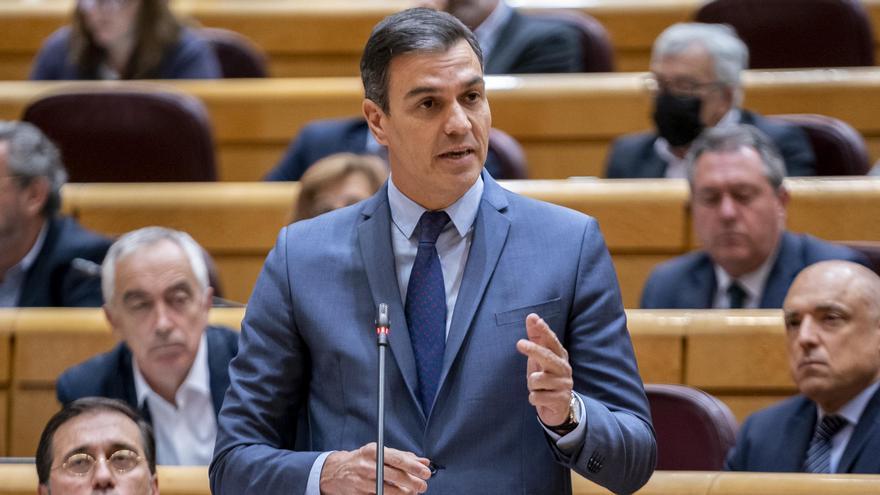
738, 210
125, 39
171, 365
696, 84
46, 259
338, 180
97, 445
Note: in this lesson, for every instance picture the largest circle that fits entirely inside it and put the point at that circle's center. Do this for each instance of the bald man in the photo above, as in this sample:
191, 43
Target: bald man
832, 322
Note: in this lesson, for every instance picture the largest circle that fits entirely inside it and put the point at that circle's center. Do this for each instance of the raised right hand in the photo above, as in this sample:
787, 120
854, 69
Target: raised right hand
355, 472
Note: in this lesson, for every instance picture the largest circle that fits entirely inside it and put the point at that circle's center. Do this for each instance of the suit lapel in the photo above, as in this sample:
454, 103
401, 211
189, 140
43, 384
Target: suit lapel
788, 456
788, 263
866, 431
653, 165
374, 238
504, 50
702, 290
490, 234
218, 364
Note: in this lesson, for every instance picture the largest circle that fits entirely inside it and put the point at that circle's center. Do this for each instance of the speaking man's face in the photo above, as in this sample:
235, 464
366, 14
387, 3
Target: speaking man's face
437, 124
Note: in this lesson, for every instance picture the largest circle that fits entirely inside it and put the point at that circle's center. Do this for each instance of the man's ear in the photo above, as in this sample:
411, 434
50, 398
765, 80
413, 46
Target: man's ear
376, 120
108, 313
42, 489
36, 194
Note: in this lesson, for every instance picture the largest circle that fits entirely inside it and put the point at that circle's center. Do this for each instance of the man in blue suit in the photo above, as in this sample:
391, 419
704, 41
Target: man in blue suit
170, 365
510, 363
738, 206
46, 259
696, 70
832, 320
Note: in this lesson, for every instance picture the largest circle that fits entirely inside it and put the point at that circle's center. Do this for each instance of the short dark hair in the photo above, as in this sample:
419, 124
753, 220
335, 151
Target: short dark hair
732, 137
83, 406
411, 30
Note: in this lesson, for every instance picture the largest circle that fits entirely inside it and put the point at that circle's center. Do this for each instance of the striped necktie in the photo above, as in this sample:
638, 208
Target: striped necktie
819, 451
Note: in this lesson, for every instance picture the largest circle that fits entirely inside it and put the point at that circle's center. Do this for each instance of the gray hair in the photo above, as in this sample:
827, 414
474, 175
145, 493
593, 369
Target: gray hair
411, 30
145, 237
731, 138
728, 52
32, 155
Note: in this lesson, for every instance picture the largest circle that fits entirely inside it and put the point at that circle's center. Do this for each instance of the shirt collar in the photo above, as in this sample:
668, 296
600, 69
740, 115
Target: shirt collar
487, 32
753, 282
853, 409
405, 213
196, 379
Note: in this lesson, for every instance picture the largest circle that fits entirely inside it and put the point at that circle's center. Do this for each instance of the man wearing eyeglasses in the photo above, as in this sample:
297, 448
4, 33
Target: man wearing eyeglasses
695, 83
97, 445
46, 259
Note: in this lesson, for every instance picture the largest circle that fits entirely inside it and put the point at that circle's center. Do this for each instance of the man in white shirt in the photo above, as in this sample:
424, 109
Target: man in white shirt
738, 205
171, 365
832, 321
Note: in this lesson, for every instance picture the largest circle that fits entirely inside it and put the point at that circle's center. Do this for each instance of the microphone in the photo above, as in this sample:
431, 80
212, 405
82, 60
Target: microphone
383, 326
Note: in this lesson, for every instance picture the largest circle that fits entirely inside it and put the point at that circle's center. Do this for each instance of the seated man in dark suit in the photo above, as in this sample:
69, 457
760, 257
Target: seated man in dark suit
738, 206
512, 43
695, 79
832, 322
171, 365
97, 445
45, 258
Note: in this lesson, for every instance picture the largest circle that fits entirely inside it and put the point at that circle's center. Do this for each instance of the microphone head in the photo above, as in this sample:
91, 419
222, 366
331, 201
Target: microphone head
382, 319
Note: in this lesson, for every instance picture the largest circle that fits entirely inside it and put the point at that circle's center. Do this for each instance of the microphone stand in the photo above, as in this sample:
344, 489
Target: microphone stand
383, 327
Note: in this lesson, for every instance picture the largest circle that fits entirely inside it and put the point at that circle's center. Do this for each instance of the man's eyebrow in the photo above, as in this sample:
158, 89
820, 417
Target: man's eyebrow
421, 90
133, 294
114, 447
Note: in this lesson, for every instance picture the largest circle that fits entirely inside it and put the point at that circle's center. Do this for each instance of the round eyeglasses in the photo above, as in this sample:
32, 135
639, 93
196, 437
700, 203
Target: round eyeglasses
121, 461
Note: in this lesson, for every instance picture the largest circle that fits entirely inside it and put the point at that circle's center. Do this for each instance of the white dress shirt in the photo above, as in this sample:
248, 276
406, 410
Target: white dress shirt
185, 431
753, 283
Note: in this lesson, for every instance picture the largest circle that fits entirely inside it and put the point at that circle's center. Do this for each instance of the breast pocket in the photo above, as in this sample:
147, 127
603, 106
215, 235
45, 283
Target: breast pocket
546, 310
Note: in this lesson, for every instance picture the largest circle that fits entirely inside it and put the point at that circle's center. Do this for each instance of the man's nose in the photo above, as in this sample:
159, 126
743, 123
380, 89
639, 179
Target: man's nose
807, 332
458, 121
163, 318
102, 476
727, 207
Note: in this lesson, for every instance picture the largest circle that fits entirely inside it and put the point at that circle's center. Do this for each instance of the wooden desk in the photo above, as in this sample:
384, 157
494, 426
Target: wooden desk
564, 122
302, 38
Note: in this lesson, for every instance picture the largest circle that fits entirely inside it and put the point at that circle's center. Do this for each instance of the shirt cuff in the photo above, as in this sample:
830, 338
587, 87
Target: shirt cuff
313, 487
569, 443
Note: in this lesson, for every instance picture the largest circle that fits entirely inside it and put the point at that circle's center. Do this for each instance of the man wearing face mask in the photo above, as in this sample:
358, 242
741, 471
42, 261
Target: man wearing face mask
695, 79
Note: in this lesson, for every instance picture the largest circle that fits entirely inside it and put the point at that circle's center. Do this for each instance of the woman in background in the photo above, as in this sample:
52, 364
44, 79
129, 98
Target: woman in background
125, 39
338, 180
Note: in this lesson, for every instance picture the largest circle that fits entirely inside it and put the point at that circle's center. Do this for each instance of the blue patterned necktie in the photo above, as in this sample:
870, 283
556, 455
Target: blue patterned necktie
819, 451
426, 307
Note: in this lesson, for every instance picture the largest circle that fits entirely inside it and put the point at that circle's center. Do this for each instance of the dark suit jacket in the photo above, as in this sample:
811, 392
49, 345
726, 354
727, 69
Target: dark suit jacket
533, 45
111, 374
190, 58
52, 281
322, 138
776, 439
306, 342
633, 156
688, 281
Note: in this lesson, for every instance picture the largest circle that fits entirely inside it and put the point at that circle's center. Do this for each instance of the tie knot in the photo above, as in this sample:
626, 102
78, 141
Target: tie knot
736, 295
430, 225
830, 425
